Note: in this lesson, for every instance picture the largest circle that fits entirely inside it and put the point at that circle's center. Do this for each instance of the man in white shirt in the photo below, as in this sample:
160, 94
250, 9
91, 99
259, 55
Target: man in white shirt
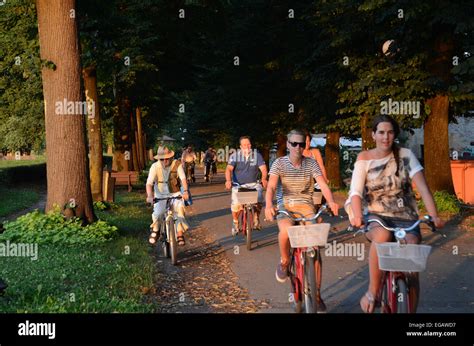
166, 177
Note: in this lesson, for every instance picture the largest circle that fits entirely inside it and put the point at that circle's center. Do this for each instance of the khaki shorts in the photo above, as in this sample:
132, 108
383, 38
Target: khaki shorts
298, 210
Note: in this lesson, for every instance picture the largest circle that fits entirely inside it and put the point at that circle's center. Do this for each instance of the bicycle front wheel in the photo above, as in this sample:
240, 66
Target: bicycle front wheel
310, 284
172, 242
402, 297
165, 246
249, 221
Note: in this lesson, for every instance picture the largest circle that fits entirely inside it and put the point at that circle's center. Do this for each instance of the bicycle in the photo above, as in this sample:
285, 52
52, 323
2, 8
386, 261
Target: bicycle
167, 230
189, 170
208, 171
248, 197
305, 255
395, 260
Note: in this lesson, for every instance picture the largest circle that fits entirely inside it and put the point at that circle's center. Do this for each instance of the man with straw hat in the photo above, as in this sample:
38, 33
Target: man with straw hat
165, 179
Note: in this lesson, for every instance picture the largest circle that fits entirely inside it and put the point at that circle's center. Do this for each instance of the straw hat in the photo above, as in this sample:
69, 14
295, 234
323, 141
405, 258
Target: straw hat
164, 153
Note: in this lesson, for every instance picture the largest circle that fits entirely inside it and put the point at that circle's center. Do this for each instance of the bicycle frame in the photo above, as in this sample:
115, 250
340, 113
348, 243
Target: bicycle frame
390, 279
299, 256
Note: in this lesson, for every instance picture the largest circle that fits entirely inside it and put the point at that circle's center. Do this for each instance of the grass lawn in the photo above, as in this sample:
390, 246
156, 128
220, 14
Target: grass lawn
111, 277
16, 199
16, 163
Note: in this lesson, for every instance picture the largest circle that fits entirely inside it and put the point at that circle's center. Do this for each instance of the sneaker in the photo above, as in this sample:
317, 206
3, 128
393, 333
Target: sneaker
235, 228
256, 223
153, 237
322, 309
281, 273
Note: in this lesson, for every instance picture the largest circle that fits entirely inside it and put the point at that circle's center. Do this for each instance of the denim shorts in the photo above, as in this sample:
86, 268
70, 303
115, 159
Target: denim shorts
394, 222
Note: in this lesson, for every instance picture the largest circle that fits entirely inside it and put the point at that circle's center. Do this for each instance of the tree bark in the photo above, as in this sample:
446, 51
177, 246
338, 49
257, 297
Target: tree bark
95, 134
436, 137
436, 148
366, 133
68, 181
333, 159
140, 144
133, 125
281, 142
122, 140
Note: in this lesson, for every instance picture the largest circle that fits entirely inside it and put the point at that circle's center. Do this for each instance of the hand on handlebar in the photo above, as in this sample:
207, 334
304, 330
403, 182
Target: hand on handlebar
357, 222
270, 213
334, 208
228, 185
438, 222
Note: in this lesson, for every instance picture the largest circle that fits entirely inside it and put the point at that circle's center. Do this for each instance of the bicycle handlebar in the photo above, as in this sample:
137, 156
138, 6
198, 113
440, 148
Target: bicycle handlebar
324, 207
156, 200
426, 219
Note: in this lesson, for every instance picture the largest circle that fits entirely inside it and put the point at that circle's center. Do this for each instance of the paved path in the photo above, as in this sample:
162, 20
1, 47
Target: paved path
447, 285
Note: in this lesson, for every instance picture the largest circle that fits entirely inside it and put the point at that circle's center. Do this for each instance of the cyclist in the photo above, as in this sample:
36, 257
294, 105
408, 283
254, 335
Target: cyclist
382, 178
210, 158
188, 160
292, 178
166, 177
315, 154
243, 168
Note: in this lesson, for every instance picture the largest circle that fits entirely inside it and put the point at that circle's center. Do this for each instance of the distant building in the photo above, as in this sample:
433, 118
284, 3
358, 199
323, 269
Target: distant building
461, 139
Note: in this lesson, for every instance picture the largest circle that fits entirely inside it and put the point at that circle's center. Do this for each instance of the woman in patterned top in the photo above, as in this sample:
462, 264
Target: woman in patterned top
382, 177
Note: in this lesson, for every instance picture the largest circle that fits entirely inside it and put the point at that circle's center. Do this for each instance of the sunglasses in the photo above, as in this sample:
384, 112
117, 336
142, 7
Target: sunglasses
301, 144
164, 159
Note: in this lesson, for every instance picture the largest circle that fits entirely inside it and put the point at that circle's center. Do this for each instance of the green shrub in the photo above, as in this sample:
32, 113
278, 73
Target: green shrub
445, 202
53, 227
104, 205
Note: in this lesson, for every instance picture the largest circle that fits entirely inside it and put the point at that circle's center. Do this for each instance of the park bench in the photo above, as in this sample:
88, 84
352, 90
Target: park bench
125, 178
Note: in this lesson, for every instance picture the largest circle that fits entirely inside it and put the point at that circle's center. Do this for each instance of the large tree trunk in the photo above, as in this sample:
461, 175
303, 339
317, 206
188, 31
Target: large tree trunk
140, 139
366, 133
95, 134
333, 159
436, 137
133, 125
67, 163
122, 140
281, 142
436, 148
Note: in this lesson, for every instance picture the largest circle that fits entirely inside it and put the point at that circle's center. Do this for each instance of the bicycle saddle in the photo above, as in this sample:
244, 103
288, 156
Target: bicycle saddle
244, 189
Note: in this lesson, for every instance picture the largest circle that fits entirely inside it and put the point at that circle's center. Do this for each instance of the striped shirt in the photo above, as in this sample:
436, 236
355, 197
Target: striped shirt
295, 185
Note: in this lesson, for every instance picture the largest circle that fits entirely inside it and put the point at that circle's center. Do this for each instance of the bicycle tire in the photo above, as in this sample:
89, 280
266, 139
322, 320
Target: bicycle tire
249, 229
173, 243
310, 285
402, 296
297, 300
385, 307
165, 246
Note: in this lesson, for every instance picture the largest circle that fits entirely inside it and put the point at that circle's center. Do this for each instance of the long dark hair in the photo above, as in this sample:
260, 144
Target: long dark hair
396, 130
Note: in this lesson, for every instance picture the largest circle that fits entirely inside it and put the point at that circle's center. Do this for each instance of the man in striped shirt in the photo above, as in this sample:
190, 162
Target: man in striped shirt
292, 177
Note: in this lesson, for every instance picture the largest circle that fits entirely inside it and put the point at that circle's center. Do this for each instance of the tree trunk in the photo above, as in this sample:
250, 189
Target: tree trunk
436, 146
366, 133
133, 125
333, 159
95, 134
122, 141
281, 141
436, 137
140, 144
68, 181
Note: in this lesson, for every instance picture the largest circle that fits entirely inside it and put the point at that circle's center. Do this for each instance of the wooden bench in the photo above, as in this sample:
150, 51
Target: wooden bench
125, 178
